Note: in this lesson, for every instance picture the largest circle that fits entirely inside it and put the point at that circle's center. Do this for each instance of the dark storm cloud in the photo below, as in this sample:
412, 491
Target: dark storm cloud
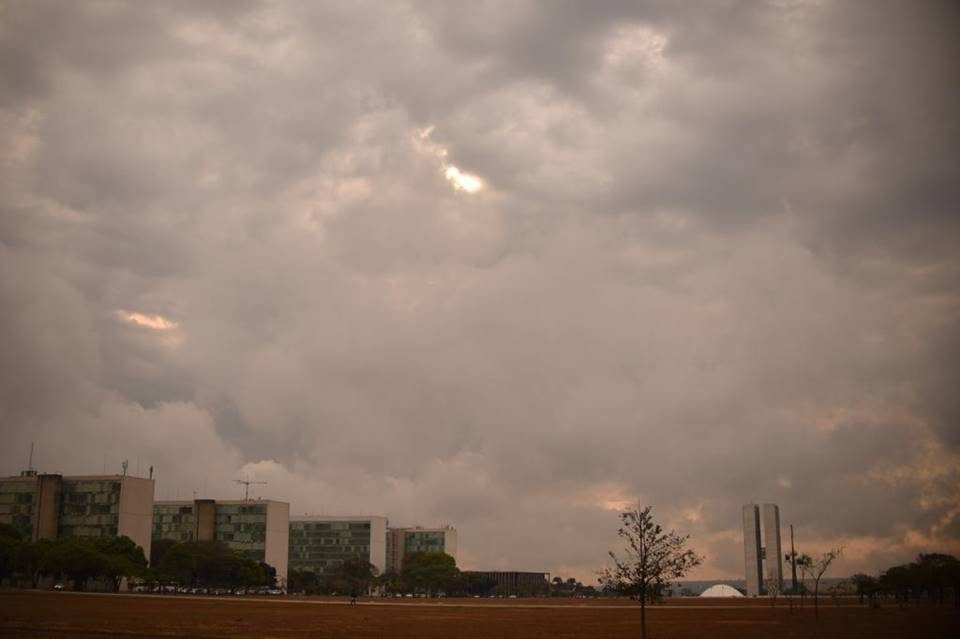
712, 261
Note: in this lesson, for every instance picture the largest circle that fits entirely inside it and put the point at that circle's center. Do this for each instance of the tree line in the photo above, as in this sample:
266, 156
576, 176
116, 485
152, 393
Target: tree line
108, 560
421, 573
79, 560
429, 573
203, 564
932, 577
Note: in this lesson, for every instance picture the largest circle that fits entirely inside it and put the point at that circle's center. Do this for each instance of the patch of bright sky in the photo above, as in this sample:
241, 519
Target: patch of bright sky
145, 320
461, 180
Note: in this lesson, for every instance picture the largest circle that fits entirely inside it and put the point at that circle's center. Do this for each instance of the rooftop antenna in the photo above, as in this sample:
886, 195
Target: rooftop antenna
246, 486
29, 472
124, 465
151, 472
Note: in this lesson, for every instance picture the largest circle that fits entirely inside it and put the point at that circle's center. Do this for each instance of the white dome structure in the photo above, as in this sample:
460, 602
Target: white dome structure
721, 590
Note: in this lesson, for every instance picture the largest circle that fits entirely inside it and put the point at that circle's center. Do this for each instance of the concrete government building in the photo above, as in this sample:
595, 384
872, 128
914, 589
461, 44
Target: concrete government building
403, 541
318, 544
512, 582
51, 506
255, 528
756, 556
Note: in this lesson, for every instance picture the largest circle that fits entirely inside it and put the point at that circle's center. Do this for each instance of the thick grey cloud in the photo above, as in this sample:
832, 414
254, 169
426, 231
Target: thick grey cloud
712, 261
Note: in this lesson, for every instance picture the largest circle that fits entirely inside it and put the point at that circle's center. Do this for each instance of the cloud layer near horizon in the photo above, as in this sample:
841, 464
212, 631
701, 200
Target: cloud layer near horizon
709, 257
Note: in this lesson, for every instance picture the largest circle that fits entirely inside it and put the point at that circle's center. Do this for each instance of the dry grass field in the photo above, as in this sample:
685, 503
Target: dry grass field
47, 614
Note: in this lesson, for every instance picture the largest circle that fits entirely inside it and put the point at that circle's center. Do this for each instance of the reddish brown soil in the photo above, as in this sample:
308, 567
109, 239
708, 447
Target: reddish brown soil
45, 614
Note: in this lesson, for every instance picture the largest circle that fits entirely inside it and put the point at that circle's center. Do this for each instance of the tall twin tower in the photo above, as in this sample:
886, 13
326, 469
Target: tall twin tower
757, 557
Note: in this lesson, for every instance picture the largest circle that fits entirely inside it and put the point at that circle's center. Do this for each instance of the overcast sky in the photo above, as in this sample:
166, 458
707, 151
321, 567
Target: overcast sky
510, 266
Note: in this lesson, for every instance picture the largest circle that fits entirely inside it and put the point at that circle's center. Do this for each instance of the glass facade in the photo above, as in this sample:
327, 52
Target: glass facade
242, 527
173, 522
320, 546
17, 500
424, 541
89, 508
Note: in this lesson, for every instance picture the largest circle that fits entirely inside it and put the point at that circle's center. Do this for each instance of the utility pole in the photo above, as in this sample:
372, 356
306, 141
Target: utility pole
246, 485
793, 561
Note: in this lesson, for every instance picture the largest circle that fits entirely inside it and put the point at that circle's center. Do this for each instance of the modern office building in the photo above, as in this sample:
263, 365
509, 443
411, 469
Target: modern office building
773, 555
403, 541
762, 561
319, 544
51, 506
751, 549
255, 528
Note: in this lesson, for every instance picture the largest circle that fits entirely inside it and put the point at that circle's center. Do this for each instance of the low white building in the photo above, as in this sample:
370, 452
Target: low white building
721, 590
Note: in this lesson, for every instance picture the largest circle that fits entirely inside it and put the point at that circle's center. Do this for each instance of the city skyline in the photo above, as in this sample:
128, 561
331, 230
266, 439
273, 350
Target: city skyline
509, 266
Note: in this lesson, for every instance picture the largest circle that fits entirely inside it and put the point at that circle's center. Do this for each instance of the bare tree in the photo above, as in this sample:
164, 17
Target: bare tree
805, 564
817, 570
774, 588
652, 559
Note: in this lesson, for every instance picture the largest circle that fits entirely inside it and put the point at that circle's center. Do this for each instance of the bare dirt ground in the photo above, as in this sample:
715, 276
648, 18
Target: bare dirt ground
48, 614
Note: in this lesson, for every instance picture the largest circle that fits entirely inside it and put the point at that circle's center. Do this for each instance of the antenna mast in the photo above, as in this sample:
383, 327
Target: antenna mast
246, 486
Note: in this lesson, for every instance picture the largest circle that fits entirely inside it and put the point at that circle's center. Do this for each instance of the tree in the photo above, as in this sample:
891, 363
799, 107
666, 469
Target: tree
211, 563
158, 549
430, 572
817, 570
652, 560
896, 580
391, 581
31, 559
866, 586
182, 563
11, 542
354, 576
935, 572
774, 588
805, 564
569, 588
122, 558
304, 581
269, 574
75, 558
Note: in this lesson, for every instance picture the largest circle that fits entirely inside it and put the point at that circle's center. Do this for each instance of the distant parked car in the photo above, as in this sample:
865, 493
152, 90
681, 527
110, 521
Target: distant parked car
58, 586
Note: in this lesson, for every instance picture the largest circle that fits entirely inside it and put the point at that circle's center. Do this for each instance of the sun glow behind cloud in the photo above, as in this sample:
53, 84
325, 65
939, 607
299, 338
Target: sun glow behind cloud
463, 181
153, 322
460, 180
